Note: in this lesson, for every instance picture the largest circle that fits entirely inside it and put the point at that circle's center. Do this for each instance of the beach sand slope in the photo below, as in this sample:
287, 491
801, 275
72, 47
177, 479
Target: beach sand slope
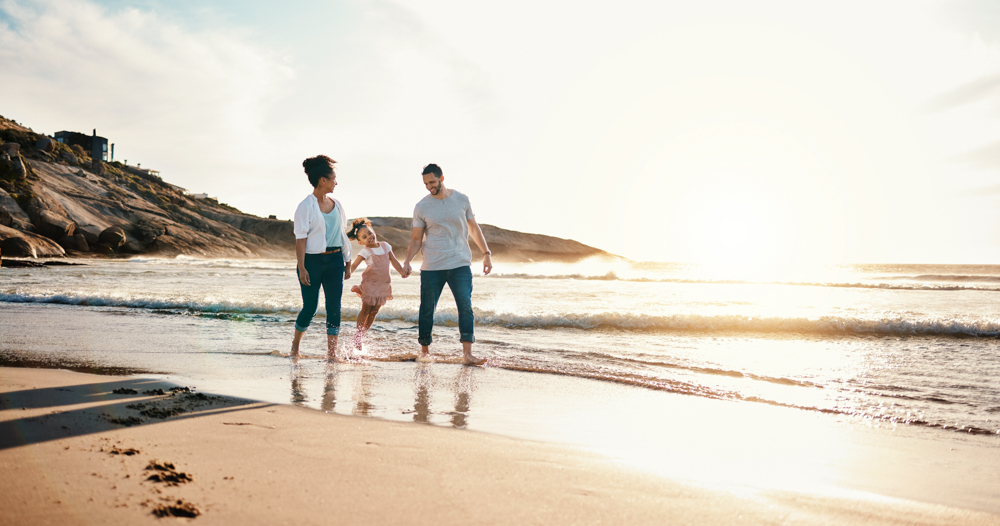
68, 458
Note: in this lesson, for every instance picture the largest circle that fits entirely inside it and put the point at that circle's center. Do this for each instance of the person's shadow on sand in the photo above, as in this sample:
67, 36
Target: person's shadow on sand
78, 410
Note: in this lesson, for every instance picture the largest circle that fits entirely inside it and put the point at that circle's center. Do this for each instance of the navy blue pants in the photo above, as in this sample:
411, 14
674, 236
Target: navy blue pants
327, 271
432, 283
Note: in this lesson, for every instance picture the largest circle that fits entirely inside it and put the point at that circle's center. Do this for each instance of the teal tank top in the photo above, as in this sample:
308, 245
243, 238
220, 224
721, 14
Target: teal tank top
333, 227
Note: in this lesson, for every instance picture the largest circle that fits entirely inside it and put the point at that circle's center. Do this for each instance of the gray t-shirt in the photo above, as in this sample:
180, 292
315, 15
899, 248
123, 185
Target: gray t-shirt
446, 231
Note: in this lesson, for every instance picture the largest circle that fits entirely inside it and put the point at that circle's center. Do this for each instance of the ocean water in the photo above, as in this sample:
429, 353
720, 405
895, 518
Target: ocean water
889, 345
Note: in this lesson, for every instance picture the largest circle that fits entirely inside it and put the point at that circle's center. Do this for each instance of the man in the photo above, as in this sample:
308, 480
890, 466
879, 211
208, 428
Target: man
442, 222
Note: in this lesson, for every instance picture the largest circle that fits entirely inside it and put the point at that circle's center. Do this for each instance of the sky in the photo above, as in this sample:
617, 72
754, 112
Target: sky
769, 133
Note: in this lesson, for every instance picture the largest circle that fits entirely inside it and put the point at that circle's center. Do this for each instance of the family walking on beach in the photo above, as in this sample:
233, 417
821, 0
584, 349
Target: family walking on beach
442, 222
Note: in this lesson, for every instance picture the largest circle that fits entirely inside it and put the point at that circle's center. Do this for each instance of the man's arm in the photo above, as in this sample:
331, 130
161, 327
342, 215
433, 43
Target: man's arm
477, 237
416, 242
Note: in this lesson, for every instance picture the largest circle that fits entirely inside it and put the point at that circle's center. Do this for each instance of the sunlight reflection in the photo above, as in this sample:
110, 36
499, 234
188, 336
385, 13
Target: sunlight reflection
739, 445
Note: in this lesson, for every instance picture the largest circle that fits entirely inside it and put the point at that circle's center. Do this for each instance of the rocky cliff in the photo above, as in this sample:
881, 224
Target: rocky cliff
56, 201
506, 245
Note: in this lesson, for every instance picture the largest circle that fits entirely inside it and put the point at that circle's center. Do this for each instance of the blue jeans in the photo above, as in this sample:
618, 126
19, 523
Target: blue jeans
326, 270
432, 282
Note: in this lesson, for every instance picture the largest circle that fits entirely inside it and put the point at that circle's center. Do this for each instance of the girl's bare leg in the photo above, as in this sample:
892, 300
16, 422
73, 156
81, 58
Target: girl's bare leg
362, 325
372, 312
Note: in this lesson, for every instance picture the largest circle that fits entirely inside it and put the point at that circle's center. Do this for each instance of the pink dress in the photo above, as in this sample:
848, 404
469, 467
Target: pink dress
375, 288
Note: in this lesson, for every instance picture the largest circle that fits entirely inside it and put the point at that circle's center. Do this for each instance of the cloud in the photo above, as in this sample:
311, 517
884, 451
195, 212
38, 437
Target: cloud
984, 191
987, 156
71, 64
975, 91
409, 32
978, 17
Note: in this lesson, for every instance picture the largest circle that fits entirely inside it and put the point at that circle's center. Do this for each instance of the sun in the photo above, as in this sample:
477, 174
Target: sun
745, 221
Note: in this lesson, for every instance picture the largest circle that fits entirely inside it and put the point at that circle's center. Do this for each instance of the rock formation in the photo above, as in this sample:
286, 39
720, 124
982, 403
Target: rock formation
50, 207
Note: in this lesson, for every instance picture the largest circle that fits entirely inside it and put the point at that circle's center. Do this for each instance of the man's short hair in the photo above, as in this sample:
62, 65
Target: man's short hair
432, 169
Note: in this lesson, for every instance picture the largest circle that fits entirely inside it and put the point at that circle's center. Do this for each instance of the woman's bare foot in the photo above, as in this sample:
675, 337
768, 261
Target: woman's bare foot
295, 345
331, 347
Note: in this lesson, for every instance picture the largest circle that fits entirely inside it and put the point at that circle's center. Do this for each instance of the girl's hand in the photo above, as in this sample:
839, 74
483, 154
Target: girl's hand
304, 276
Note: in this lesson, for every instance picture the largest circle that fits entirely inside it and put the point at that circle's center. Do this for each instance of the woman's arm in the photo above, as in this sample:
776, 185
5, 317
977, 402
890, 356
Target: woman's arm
300, 257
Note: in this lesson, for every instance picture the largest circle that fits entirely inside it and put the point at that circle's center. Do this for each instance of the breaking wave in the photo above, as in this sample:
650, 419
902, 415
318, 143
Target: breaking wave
884, 325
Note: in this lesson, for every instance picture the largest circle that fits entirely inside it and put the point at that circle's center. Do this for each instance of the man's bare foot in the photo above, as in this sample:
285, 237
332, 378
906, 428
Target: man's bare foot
469, 359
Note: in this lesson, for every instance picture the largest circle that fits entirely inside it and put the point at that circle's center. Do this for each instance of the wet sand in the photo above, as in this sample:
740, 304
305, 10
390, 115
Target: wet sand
72, 455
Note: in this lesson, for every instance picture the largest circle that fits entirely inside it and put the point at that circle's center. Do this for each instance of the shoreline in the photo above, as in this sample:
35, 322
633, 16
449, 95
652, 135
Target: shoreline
271, 463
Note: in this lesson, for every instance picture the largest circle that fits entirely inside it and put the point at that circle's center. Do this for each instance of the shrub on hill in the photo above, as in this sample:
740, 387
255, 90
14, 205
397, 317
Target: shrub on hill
26, 139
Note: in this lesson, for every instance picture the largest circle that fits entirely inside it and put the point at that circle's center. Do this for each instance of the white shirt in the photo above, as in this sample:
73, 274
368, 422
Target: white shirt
366, 252
310, 225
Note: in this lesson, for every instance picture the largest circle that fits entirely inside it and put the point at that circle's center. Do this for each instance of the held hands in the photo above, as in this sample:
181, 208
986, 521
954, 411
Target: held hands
347, 272
406, 270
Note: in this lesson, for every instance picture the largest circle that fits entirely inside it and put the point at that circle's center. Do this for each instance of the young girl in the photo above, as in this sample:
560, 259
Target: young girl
374, 289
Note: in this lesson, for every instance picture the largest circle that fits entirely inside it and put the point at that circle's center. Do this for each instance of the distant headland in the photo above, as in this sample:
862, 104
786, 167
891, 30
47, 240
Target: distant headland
66, 196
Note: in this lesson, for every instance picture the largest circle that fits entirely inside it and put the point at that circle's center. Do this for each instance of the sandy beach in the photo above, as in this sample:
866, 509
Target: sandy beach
69, 458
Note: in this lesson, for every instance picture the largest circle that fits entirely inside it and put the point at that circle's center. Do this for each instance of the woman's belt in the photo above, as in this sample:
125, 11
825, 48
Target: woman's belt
332, 250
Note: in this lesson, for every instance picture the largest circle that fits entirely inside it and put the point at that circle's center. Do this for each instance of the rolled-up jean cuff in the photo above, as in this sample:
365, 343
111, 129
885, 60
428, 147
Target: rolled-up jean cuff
424, 341
332, 330
301, 329
467, 337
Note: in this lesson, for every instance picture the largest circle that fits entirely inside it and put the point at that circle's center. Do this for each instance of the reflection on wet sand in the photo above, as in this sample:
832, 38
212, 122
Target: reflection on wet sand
423, 381
439, 394
363, 393
329, 400
463, 399
298, 391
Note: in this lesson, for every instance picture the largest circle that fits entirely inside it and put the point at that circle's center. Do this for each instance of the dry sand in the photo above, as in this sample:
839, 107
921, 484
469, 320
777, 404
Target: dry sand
66, 461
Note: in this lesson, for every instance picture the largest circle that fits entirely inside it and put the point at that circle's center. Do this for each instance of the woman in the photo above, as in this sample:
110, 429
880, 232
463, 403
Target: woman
322, 250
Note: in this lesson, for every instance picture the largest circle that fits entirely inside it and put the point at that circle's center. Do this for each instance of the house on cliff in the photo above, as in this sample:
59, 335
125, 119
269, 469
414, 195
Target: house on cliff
97, 146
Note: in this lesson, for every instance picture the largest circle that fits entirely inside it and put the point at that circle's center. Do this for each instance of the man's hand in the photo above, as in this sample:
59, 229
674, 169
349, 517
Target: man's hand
304, 276
406, 269
487, 264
